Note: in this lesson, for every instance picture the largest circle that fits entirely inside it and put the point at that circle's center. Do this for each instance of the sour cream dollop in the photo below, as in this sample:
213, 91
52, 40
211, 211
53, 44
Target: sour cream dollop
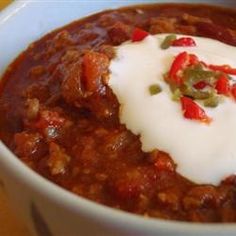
203, 153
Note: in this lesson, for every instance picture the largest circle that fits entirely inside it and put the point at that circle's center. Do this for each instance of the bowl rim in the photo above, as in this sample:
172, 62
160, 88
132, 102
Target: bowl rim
12, 165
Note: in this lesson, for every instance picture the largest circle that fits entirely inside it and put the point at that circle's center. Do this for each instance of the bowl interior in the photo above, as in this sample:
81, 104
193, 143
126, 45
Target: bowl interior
16, 34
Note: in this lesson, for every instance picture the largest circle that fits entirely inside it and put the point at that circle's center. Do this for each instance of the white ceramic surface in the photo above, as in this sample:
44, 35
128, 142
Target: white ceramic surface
56, 211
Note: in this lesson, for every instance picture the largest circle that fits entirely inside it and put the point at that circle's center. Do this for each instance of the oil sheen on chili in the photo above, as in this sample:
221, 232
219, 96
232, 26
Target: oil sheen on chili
132, 108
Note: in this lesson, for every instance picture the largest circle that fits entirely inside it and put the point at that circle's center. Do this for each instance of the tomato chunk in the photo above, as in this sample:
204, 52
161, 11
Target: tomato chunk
139, 35
222, 85
184, 42
193, 111
94, 66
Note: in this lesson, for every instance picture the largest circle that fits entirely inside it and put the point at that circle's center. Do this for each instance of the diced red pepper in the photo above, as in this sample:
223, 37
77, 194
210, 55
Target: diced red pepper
193, 59
177, 80
223, 68
178, 64
193, 111
222, 85
200, 85
184, 42
139, 35
233, 91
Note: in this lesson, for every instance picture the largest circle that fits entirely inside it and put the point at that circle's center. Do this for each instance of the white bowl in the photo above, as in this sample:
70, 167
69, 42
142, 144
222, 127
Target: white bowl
46, 208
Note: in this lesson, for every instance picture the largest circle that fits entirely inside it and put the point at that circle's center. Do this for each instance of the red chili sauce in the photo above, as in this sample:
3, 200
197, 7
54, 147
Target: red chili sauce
61, 119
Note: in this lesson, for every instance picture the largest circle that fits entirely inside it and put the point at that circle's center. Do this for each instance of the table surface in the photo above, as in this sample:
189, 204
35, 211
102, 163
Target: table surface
10, 223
